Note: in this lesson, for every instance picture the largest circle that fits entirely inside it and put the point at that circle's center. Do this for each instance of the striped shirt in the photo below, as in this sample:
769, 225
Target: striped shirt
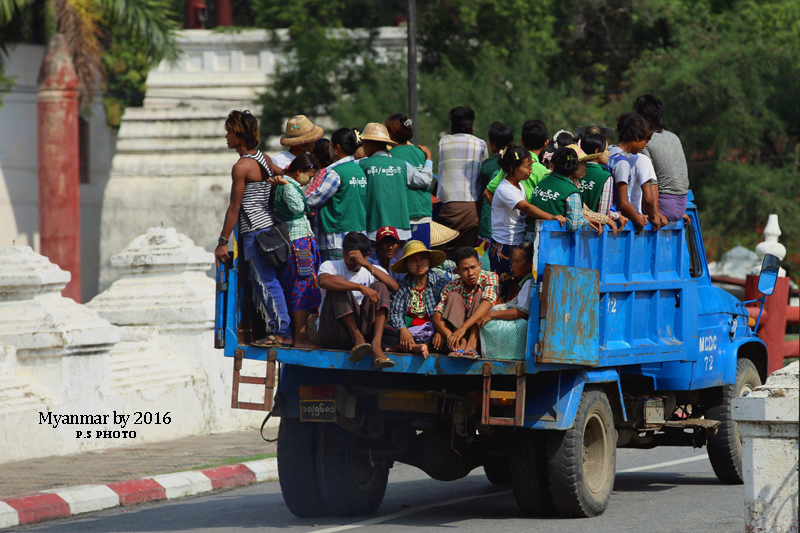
255, 200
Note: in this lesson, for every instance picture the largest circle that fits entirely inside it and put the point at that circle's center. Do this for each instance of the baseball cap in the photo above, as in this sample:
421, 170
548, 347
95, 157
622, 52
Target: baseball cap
386, 231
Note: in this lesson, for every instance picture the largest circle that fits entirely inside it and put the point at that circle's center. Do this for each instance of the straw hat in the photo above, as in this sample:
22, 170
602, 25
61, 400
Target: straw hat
300, 130
415, 247
583, 156
376, 132
441, 234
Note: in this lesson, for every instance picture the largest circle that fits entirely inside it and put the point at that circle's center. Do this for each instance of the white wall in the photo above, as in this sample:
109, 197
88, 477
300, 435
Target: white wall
19, 193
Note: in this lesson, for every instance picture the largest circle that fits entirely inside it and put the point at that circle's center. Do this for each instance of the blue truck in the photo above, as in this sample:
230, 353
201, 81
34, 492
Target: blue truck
628, 345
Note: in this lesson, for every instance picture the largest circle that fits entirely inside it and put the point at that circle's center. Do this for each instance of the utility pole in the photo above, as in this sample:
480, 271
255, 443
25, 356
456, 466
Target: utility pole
411, 26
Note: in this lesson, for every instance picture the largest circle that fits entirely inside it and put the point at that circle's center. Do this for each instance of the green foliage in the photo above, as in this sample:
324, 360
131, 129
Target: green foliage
126, 65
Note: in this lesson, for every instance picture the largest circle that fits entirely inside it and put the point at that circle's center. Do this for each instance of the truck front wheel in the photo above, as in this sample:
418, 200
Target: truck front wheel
582, 460
297, 470
351, 480
725, 448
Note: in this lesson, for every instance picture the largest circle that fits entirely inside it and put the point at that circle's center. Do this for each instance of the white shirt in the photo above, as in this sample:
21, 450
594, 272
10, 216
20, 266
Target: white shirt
283, 159
338, 268
508, 223
635, 170
523, 299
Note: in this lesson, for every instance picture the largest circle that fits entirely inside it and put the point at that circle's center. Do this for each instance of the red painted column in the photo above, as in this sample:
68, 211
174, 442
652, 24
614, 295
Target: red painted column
773, 330
59, 163
223, 13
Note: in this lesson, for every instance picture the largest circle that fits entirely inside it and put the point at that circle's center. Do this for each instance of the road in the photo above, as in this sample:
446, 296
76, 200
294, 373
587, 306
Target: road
649, 496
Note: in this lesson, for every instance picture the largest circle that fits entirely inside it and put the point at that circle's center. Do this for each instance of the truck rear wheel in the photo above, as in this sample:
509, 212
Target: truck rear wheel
725, 448
582, 460
528, 463
297, 470
351, 481
498, 472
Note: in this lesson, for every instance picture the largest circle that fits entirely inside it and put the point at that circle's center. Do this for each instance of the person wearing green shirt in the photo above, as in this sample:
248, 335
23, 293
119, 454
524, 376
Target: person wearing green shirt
420, 208
500, 136
534, 139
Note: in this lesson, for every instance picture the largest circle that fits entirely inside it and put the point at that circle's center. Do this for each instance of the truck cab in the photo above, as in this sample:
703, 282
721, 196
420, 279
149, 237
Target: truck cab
628, 345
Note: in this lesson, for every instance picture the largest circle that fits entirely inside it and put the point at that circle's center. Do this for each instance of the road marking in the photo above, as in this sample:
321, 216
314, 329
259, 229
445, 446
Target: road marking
415, 510
661, 465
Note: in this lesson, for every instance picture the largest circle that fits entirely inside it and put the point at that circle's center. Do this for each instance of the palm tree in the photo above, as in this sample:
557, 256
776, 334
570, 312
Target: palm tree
87, 25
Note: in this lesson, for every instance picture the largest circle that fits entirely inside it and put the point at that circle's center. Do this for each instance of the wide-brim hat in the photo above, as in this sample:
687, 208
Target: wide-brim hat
300, 130
600, 130
441, 234
582, 156
376, 132
435, 258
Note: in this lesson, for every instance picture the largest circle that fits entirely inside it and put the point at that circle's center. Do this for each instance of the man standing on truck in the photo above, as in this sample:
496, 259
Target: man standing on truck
346, 317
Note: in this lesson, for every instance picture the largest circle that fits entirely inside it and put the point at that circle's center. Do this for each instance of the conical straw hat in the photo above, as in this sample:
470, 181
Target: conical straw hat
441, 234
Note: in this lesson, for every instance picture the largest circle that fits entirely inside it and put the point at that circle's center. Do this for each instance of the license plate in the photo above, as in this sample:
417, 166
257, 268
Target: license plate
318, 410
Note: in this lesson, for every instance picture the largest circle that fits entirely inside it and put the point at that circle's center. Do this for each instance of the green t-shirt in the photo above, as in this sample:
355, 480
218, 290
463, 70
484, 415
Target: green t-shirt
591, 185
419, 200
488, 169
538, 172
551, 195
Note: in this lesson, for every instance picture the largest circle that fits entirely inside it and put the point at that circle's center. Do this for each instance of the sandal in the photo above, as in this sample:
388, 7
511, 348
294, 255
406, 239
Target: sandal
464, 354
359, 352
383, 363
270, 341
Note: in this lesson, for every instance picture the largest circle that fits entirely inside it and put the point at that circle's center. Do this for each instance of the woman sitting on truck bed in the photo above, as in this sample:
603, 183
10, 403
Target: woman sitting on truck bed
410, 327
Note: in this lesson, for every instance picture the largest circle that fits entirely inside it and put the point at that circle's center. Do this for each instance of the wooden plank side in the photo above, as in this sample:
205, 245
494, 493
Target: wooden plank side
572, 331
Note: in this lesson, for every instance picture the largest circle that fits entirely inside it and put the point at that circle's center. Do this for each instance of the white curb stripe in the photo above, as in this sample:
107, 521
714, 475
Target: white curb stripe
88, 498
660, 465
184, 484
8, 515
264, 469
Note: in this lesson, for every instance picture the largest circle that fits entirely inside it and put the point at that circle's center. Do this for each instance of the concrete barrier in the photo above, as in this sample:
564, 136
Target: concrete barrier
768, 427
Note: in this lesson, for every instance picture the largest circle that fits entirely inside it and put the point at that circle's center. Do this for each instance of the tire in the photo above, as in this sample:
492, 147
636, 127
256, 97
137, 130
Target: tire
582, 460
350, 481
725, 448
528, 462
297, 470
498, 472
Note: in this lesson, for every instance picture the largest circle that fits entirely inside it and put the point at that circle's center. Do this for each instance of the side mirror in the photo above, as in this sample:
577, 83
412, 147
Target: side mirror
769, 274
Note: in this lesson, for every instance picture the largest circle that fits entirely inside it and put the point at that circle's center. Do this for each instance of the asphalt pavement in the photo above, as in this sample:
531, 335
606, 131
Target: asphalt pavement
663, 490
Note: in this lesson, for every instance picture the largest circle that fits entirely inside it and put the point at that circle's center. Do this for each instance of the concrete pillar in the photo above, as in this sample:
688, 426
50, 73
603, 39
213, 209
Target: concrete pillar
768, 427
59, 163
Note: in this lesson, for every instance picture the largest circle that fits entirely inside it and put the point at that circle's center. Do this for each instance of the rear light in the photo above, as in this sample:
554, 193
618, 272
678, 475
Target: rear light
316, 392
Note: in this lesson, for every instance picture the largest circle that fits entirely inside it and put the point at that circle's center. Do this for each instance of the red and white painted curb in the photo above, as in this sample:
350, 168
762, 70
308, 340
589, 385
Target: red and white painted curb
60, 503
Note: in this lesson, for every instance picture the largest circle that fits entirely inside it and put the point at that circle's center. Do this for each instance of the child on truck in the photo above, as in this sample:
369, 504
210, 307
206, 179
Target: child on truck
464, 301
522, 272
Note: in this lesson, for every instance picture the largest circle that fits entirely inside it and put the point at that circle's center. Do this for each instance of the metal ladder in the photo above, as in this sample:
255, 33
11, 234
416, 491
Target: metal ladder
518, 396
268, 382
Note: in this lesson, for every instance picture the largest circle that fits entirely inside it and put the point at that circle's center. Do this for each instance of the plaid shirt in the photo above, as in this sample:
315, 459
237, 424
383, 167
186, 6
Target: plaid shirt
486, 280
460, 158
401, 300
293, 199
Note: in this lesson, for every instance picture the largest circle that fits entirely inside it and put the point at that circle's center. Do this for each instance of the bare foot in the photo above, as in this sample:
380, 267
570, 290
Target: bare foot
421, 349
307, 345
377, 351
